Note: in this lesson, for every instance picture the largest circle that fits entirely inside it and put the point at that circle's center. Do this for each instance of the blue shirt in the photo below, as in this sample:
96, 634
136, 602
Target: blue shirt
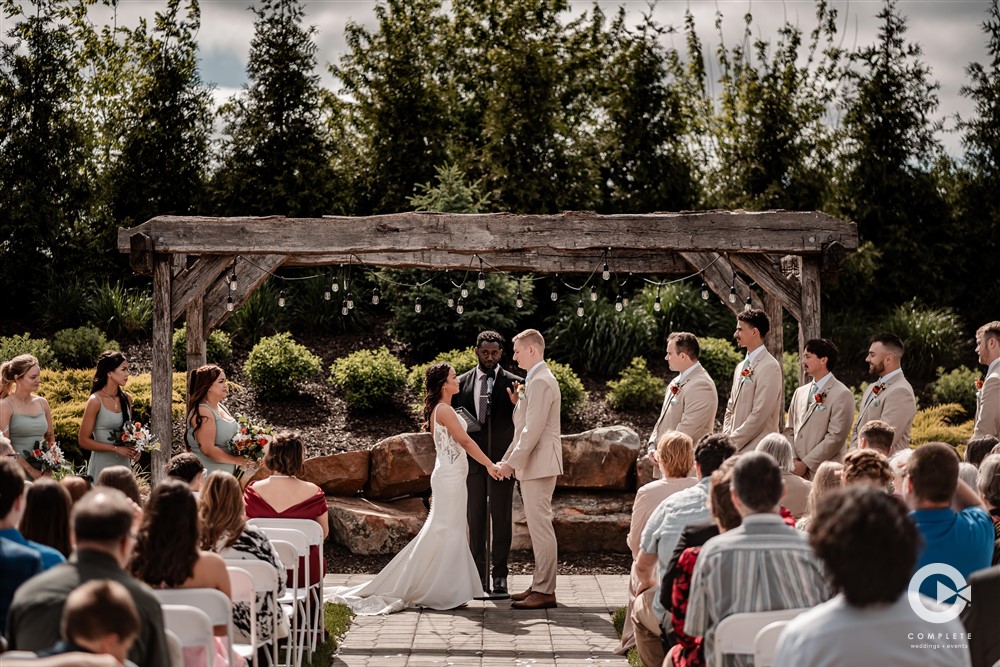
50, 557
963, 540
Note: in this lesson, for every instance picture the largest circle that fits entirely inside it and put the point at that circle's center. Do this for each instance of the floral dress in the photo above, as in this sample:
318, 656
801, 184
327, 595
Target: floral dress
252, 544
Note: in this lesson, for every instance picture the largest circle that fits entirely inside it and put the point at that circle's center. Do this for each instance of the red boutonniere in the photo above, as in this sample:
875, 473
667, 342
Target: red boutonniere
979, 385
746, 375
819, 398
675, 389
877, 389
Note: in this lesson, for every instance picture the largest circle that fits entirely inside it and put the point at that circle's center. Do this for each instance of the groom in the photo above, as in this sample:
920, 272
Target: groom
535, 456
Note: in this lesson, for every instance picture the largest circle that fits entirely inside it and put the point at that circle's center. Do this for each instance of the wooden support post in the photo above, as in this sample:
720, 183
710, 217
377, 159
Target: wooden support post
195, 334
162, 389
810, 323
774, 340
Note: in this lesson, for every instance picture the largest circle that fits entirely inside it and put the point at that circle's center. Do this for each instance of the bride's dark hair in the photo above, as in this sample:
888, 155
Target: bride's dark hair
437, 375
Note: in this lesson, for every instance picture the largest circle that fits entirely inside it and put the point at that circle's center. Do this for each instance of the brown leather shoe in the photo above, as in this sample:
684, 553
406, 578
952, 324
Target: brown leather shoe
536, 601
520, 597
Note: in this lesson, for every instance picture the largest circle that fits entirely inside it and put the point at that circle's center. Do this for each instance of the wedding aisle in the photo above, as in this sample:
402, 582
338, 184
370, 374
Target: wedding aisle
577, 633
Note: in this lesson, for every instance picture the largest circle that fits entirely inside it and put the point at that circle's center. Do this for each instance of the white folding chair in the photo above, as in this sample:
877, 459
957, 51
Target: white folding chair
264, 580
192, 627
241, 585
765, 644
736, 633
294, 600
215, 604
314, 534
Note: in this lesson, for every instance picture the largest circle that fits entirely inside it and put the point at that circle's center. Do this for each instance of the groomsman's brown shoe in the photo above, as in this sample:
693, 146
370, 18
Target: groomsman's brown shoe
536, 601
520, 597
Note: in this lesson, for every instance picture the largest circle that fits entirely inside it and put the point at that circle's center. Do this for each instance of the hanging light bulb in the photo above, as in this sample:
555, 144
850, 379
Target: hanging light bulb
657, 305
606, 273
350, 301
281, 299
732, 294
625, 301
618, 303
451, 301
465, 291
416, 305
554, 295
233, 284
579, 308
460, 308
481, 281
518, 301
230, 306
593, 293
704, 291
344, 310
376, 296
326, 295
335, 286
749, 304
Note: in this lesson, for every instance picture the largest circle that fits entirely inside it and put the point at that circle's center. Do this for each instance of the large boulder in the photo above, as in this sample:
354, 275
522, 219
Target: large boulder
369, 527
645, 471
601, 459
341, 474
400, 466
583, 521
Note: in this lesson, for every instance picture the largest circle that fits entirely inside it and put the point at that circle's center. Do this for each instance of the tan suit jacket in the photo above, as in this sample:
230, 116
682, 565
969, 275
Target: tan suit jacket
819, 432
691, 410
988, 406
537, 450
896, 405
755, 403
796, 498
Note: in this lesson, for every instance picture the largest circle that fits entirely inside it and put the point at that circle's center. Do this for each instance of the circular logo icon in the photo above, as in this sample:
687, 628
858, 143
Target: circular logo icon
953, 589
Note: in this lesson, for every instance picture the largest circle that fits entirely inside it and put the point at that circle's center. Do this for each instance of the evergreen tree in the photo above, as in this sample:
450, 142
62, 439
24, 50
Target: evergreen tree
275, 158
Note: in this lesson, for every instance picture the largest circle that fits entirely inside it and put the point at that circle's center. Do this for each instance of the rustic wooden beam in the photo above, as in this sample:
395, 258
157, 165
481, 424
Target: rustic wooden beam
779, 232
140, 253
251, 276
810, 322
719, 278
161, 366
194, 280
195, 334
761, 270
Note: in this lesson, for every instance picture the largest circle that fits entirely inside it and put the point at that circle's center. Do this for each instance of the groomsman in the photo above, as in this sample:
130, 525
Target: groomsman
755, 401
691, 399
535, 457
988, 388
890, 398
821, 412
483, 391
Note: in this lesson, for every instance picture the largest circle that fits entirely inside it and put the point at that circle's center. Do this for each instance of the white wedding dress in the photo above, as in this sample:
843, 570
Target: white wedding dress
436, 568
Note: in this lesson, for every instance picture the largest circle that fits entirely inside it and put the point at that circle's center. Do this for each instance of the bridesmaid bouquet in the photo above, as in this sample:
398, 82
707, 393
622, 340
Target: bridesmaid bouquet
252, 439
46, 457
135, 434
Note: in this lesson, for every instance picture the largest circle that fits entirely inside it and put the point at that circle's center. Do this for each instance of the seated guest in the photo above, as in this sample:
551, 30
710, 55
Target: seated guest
46, 515
99, 618
102, 529
65, 660
674, 455
11, 519
18, 561
980, 619
121, 478
284, 496
224, 530
764, 565
878, 435
869, 547
963, 538
867, 466
969, 474
897, 463
77, 486
977, 449
988, 486
828, 478
796, 497
188, 468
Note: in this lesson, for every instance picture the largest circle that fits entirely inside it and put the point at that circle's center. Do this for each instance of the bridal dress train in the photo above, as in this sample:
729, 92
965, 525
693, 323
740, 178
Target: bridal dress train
435, 569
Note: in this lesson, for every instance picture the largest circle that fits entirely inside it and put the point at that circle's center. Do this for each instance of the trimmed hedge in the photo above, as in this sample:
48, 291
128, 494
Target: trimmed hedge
574, 396
218, 348
277, 365
370, 378
80, 347
636, 388
460, 360
12, 346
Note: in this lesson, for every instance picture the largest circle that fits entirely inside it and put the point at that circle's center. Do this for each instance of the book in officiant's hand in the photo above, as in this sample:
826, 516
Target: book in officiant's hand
472, 424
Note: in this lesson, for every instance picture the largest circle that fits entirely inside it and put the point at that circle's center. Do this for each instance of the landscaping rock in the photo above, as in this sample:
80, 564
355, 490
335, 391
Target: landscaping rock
602, 459
341, 474
583, 521
645, 471
368, 527
400, 466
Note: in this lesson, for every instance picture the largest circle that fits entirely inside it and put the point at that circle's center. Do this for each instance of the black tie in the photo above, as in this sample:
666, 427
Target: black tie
483, 397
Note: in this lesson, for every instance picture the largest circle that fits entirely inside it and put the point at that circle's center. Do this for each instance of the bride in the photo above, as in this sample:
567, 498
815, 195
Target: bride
436, 568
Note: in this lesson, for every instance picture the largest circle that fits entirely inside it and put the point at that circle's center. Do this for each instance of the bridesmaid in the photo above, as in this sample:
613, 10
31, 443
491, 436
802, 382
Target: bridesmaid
210, 427
24, 417
107, 409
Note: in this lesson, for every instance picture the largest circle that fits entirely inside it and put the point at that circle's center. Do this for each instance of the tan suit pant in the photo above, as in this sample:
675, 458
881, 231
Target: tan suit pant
537, 497
647, 629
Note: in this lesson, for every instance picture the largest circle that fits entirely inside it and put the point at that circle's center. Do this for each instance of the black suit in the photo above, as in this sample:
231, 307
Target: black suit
493, 439
980, 617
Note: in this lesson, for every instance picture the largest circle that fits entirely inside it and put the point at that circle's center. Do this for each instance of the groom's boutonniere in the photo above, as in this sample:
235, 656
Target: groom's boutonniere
979, 384
820, 398
520, 392
746, 375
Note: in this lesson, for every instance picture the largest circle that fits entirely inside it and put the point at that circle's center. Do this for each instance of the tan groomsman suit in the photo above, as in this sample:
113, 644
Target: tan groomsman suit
894, 404
755, 402
536, 457
690, 408
988, 403
818, 431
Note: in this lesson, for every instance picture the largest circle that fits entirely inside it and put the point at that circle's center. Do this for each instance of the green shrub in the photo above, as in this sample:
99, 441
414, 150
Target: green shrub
260, 316
80, 347
277, 365
719, 358
121, 312
790, 374
61, 300
574, 396
932, 338
12, 346
941, 423
636, 388
460, 360
218, 348
683, 309
956, 386
369, 378
603, 341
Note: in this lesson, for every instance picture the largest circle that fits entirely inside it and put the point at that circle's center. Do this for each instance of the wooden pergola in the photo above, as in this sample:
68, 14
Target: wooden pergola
782, 252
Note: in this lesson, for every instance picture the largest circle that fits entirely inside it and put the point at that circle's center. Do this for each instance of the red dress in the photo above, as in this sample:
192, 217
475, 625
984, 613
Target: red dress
311, 508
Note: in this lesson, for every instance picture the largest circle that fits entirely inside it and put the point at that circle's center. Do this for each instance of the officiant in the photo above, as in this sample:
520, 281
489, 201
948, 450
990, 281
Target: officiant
487, 393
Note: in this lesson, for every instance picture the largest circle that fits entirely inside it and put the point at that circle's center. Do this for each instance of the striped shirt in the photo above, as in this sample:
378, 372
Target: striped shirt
764, 565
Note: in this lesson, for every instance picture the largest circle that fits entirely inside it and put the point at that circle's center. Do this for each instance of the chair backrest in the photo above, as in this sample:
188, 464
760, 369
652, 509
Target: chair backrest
289, 556
291, 535
312, 530
765, 644
736, 633
215, 604
191, 626
240, 584
263, 576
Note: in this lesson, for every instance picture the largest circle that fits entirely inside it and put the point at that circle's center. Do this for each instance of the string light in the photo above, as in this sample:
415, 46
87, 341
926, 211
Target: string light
625, 301
481, 281
460, 308
451, 301
326, 295
376, 296
704, 291
606, 273
554, 295
233, 283
749, 304
344, 310
657, 306
518, 301
618, 303
230, 306
579, 308
593, 293
281, 299
416, 305
350, 301
465, 291
335, 286
732, 294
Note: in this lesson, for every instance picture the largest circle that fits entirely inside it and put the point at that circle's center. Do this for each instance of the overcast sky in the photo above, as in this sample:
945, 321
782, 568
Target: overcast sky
948, 31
